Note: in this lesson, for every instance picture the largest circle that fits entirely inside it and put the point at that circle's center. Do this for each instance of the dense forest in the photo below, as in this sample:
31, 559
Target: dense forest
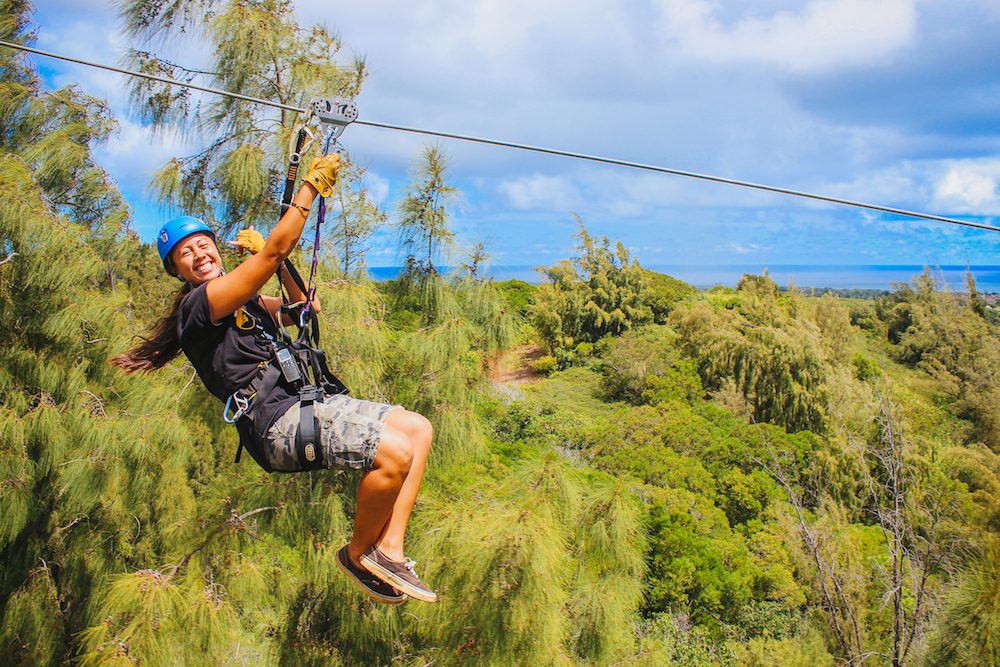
626, 471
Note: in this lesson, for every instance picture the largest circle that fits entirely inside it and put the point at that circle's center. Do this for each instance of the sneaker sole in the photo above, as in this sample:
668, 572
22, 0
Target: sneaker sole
367, 591
399, 584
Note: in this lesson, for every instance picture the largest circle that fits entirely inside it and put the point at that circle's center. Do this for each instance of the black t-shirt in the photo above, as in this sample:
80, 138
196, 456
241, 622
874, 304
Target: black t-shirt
229, 354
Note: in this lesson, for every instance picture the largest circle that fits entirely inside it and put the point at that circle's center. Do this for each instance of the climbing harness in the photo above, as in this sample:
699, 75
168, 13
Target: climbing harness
296, 359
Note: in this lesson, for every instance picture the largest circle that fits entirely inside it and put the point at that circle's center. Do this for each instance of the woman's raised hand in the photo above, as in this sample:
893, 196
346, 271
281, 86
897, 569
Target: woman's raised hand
323, 173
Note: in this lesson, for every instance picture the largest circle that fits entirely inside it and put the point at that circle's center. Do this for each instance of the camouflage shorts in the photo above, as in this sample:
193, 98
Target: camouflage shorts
351, 431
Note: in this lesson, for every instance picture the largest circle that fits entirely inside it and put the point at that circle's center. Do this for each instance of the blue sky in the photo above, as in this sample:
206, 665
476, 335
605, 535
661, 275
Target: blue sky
894, 102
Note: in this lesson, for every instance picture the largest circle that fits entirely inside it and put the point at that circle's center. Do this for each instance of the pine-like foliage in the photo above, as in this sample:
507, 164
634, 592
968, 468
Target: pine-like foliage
358, 217
489, 312
756, 342
968, 631
439, 368
436, 372
356, 338
542, 567
945, 335
578, 531
457, 325
423, 223
257, 49
127, 536
598, 293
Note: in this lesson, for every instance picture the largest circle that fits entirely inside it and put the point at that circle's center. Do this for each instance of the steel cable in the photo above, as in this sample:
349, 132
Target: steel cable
527, 147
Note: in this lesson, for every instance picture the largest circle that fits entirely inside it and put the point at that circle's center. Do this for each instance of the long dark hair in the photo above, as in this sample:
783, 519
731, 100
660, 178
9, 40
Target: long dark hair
161, 347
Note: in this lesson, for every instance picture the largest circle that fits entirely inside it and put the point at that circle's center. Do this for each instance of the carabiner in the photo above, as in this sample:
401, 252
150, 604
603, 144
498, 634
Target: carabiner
242, 403
296, 155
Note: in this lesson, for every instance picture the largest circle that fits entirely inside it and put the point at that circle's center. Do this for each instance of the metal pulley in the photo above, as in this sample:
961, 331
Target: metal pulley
334, 115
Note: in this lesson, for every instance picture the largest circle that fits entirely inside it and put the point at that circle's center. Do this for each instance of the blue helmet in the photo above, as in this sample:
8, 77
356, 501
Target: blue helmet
176, 231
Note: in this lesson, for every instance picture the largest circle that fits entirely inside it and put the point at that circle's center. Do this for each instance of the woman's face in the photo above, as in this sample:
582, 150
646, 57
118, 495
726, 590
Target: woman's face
196, 259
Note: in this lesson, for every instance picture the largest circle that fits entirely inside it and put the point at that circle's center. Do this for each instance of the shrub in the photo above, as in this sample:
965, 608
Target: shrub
545, 365
646, 366
865, 369
662, 292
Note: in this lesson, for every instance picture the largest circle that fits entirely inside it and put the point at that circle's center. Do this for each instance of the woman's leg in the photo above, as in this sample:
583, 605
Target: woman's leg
420, 432
379, 489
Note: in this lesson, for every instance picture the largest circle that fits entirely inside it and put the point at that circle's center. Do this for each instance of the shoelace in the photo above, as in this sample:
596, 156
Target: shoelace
409, 564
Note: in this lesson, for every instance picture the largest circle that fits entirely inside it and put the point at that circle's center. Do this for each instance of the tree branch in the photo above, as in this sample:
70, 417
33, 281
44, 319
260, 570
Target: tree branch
233, 521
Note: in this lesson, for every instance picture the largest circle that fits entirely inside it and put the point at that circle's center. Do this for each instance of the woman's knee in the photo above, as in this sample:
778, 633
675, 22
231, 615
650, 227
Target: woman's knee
395, 451
414, 424
423, 430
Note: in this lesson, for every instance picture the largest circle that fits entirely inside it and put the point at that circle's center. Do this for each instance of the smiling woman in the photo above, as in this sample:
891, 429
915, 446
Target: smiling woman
230, 334
199, 258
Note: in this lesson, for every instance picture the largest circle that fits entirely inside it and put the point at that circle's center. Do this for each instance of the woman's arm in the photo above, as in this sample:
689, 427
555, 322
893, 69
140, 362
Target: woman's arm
295, 295
227, 293
273, 304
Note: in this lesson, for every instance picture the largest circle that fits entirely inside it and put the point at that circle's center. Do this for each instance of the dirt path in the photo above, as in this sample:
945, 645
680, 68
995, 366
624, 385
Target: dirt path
514, 367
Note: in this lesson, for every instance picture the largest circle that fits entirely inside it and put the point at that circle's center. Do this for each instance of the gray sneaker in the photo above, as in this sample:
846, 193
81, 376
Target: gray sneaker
370, 585
398, 575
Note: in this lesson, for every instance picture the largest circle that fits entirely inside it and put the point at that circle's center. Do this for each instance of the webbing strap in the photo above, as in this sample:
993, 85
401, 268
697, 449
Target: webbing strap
310, 332
308, 447
293, 168
286, 200
266, 385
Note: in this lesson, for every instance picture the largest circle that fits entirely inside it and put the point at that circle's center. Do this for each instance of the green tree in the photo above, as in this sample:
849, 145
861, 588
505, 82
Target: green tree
662, 292
425, 235
424, 213
555, 574
755, 341
84, 479
257, 48
916, 536
596, 294
476, 260
968, 630
646, 366
944, 335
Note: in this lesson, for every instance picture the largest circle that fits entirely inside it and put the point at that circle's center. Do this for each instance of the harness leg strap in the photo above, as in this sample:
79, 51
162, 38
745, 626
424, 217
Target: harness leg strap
308, 447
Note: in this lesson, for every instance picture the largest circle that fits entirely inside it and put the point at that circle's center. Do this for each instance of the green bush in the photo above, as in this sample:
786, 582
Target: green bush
662, 292
519, 294
865, 369
647, 366
545, 365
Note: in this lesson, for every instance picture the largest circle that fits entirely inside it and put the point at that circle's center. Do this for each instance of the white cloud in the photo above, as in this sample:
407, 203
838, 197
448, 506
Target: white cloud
541, 192
894, 185
745, 248
378, 187
943, 187
818, 35
970, 186
134, 153
693, 84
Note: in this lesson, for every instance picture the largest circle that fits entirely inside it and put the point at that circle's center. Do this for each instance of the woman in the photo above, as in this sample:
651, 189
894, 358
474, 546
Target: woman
228, 332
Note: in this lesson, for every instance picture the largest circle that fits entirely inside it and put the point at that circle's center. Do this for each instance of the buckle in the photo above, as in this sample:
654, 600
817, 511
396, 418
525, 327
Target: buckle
311, 392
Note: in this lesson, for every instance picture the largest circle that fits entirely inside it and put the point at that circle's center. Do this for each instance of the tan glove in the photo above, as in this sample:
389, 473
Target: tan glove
323, 173
249, 239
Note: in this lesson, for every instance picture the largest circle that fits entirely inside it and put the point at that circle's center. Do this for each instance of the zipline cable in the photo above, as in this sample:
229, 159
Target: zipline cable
526, 147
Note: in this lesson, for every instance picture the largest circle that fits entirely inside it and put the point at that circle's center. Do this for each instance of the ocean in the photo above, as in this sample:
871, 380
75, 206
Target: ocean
877, 277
